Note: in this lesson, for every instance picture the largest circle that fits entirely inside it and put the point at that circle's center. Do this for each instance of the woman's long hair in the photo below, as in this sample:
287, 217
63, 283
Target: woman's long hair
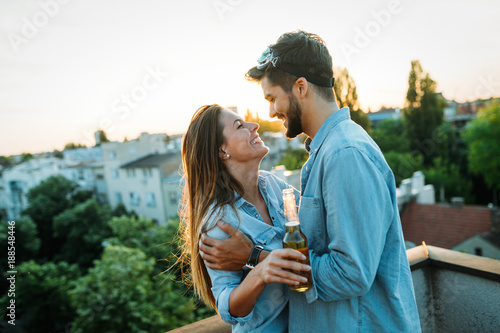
207, 186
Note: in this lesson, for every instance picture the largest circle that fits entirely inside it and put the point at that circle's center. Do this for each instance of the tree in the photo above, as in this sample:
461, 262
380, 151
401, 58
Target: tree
483, 138
141, 233
390, 136
294, 159
448, 177
347, 96
81, 231
102, 137
264, 125
46, 200
423, 112
6, 161
25, 157
119, 295
72, 145
42, 300
403, 165
27, 241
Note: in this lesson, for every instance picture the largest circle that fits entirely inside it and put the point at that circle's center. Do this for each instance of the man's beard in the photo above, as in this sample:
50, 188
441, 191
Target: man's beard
293, 116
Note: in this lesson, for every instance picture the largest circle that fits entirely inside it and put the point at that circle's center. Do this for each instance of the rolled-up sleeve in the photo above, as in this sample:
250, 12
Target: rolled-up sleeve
358, 213
223, 283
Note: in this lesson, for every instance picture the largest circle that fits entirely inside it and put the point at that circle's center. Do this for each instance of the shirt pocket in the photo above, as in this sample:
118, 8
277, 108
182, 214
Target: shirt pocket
312, 221
264, 238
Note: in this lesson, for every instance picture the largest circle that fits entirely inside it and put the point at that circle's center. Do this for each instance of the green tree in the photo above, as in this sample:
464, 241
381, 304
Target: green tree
119, 295
483, 138
423, 112
46, 200
72, 145
448, 177
347, 96
403, 165
141, 233
42, 300
294, 159
390, 136
6, 161
27, 242
81, 231
102, 137
264, 125
25, 157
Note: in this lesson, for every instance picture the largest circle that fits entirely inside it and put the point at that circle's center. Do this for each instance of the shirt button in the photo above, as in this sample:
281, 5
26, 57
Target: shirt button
273, 217
256, 215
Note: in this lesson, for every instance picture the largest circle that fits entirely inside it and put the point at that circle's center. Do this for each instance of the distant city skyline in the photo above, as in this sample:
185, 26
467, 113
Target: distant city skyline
71, 67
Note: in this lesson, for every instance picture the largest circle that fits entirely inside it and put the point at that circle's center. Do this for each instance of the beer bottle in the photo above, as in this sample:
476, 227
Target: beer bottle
295, 239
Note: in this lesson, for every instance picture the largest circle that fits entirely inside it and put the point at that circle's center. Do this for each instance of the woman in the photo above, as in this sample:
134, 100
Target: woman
221, 157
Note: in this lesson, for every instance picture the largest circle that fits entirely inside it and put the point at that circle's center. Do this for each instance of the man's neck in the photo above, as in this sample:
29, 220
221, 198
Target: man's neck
316, 114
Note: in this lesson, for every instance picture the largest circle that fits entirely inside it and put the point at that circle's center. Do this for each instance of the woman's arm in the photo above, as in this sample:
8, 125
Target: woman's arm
273, 269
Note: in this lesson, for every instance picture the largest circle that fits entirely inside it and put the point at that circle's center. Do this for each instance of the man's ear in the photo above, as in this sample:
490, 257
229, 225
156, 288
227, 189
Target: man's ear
301, 86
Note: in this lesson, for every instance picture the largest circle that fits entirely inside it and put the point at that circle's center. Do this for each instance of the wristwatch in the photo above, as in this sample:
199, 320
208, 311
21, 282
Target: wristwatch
253, 260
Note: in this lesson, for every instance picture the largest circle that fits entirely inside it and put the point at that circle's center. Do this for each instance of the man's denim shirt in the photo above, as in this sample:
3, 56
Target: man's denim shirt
348, 211
270, 314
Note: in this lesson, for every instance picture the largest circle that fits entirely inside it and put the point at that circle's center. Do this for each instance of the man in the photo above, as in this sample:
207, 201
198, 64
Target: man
348, 208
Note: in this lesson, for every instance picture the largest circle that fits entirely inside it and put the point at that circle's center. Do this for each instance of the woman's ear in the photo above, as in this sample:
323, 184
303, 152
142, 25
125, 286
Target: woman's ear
223, 155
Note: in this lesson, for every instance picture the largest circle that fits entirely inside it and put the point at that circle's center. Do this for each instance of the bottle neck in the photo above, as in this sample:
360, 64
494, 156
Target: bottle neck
292, 226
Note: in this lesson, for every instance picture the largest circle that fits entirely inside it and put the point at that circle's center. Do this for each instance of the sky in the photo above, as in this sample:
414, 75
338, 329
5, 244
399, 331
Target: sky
70, 67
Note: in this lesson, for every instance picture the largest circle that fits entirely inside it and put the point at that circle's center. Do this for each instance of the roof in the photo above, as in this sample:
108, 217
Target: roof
153, 160
444, 225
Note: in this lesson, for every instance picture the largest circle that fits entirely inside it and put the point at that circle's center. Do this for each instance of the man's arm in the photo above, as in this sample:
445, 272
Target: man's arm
358, 214
229, 254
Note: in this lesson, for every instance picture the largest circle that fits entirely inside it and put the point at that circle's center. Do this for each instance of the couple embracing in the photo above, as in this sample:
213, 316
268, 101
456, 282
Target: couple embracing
233, 221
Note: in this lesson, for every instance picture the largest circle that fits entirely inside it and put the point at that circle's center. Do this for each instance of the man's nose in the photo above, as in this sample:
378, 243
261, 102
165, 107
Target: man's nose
272, 111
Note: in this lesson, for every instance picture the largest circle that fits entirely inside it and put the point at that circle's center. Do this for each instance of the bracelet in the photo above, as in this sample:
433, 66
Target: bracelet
253, 260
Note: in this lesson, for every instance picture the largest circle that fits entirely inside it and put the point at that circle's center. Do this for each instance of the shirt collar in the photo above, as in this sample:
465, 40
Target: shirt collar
312, 145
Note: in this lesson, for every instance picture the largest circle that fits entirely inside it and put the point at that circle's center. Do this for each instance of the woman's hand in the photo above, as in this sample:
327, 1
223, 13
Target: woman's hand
278, 265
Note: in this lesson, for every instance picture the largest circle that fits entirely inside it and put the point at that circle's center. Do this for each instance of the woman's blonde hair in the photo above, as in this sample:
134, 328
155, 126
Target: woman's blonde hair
208, 188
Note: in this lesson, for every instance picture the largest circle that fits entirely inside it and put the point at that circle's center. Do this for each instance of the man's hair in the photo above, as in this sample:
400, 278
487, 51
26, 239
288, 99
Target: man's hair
303, 50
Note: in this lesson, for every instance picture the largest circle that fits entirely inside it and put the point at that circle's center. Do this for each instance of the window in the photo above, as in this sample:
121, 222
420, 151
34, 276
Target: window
132, 150
150, 199
80, 174
112, 155
131, 173
478, 251
173, 197
118, 197
114, 173
134, 199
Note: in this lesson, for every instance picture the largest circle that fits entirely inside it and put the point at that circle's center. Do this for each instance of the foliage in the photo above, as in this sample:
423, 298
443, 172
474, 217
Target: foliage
72, 145
264, 125
141, 233
46, 200
42, 300
347, 96
483, 137
82, 230
450, 179
424, 112
7, 161
25, 157
403, 165
119, 295
294, 159
390, 136
27, 242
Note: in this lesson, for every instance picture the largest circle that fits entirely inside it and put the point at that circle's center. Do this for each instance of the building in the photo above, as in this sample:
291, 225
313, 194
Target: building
138, 171
382, 114
151, 187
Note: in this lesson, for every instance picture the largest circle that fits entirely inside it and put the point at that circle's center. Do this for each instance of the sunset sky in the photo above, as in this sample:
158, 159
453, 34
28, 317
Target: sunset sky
70, 67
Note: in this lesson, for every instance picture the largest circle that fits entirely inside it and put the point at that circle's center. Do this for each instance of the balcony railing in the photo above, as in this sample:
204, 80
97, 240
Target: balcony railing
455, 292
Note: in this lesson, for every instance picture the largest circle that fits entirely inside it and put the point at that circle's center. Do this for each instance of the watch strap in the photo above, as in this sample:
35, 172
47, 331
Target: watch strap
253, 260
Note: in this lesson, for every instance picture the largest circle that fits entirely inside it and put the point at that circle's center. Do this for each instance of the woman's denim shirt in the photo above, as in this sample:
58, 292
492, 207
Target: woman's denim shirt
270, 313
348, 212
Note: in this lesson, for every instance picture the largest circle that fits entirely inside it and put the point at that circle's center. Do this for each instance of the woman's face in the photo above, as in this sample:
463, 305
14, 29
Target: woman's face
241, 140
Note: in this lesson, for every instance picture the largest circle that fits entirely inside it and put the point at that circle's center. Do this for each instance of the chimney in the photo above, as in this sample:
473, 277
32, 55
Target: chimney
494, 217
